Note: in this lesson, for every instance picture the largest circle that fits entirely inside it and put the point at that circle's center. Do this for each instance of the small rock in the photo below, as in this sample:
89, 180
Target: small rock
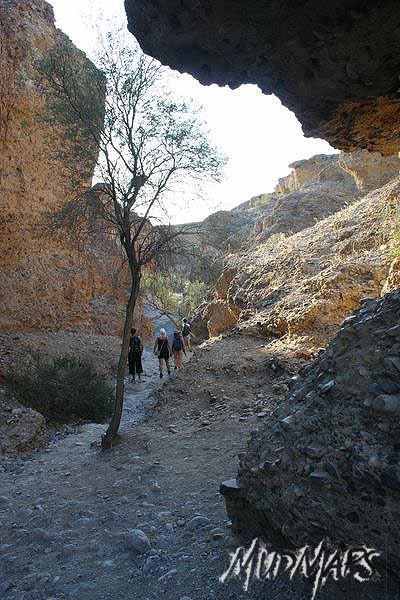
155, 486
287, 422
327, 387
320, 476
332, 470
217, 533
198, 521
138, 541
168, 575
313, 451
299, 394
386, 404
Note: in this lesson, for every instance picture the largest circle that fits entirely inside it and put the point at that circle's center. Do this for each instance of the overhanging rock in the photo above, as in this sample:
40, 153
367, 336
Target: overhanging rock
335, 64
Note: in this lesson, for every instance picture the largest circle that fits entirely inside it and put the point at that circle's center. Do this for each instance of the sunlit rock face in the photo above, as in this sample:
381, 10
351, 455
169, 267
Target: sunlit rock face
334, 64
326, 238
46, 281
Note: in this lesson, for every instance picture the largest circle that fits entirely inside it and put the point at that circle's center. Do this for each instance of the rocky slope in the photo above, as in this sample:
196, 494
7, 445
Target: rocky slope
303, 285
329, 465
46, 281
315, 188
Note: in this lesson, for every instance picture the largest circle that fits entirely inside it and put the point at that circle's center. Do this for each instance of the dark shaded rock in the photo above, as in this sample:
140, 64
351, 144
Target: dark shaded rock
138, 541
341, 455
385, 404
230, 488
391, 478
334, 64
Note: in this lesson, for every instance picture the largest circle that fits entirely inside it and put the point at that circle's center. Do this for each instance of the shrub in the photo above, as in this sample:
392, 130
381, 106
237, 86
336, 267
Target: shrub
62, 389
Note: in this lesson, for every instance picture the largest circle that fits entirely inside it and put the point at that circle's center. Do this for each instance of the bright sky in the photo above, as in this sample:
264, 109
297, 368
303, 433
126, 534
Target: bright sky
259, 136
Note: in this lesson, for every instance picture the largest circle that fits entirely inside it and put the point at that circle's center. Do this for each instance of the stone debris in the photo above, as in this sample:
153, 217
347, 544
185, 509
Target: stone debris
138, 541
343, 450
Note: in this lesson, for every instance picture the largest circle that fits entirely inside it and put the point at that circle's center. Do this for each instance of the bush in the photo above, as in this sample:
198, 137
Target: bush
62, 389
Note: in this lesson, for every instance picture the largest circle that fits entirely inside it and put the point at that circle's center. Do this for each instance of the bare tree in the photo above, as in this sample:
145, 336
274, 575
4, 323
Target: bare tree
150, 146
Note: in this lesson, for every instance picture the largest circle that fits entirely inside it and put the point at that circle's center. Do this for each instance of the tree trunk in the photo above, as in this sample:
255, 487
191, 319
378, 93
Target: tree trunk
112, 431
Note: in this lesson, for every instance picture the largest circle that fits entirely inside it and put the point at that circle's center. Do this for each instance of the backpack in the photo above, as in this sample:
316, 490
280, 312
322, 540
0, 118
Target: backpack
185, 329
177, 344
135, 344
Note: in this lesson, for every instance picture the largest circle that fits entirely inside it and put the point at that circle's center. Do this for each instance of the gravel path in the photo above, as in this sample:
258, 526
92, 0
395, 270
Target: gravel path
69, 514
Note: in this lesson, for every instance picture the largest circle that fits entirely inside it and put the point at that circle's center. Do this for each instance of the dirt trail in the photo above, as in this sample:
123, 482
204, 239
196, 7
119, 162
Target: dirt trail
66, 511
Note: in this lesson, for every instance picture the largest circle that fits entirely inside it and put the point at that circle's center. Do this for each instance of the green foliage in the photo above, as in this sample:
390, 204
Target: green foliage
159, 291
62, 389
171, 294
194, 293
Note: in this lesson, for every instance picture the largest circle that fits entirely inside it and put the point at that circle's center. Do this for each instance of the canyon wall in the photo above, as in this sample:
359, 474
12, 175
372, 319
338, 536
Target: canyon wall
47, 280
321, 245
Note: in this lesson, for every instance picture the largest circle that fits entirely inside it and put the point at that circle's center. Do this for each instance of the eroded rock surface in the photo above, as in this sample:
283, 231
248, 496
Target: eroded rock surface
302, 285
306, 284
330, 466
21, 428
335, 65
47, 280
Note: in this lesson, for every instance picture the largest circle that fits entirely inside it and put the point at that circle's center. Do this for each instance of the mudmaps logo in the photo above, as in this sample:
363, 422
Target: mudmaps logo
316, 564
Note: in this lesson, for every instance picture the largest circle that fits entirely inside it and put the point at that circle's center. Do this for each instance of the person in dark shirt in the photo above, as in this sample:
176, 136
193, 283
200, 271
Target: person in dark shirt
178, 350
162, 349
186, 333
135, 355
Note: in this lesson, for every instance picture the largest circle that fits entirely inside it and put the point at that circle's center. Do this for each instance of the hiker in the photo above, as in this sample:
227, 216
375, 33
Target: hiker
163, 351
135, 355
178, 350
186, 333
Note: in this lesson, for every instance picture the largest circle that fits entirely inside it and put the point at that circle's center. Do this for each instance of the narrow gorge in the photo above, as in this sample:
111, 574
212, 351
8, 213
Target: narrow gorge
283, 424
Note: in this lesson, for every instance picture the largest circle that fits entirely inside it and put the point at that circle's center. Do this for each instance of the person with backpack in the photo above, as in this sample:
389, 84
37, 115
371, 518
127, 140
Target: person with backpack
186, 333
178, 350
162, 349
135, 355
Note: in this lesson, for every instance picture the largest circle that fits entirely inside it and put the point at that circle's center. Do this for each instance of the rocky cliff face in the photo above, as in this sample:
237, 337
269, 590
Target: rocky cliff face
46, 281
329, 466
315, 188
334, 64
303, 284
